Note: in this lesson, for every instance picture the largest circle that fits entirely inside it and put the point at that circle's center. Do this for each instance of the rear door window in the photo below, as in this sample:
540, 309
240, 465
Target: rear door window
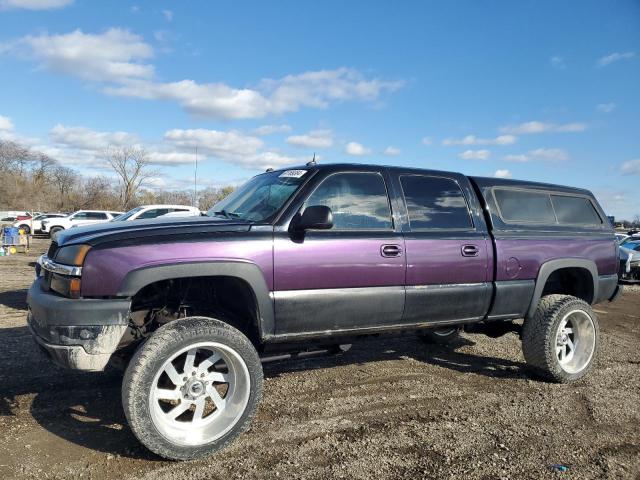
575, 210
522, 206
435, 203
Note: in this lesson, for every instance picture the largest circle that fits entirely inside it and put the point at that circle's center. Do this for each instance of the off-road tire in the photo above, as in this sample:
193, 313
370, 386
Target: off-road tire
152, 354
446, 336
53, 233
539, 337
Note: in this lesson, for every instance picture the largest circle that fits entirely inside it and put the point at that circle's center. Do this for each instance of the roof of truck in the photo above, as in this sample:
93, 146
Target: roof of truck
480, 181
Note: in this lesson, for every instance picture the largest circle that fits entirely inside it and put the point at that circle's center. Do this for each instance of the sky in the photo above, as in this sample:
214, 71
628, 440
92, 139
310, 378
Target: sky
537, 90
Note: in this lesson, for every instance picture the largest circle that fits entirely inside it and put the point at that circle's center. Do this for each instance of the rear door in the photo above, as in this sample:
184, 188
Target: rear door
447, 249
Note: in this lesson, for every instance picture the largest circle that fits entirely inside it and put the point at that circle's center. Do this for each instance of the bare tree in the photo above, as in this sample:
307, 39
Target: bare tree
65, 179
208, 197
131, 165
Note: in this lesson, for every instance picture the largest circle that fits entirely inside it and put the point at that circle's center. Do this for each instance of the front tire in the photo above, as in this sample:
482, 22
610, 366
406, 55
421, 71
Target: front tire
192, 388
26, 229
561, 340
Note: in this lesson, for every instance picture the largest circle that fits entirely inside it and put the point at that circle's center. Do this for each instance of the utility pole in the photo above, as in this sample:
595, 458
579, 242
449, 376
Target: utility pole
195, 181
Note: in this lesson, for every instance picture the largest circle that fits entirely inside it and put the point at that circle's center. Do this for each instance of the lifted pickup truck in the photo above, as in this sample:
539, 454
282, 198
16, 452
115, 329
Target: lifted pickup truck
314, 257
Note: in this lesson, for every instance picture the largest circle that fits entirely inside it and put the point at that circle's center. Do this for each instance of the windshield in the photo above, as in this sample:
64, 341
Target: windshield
126, 215
261, 197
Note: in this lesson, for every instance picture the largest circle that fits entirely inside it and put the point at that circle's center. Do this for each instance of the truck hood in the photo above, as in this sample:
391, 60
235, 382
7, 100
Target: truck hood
163, 229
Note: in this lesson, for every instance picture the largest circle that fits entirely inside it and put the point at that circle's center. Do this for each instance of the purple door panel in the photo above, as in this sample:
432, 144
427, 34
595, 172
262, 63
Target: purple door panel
520, 259
441, 261
321, 261
105, 269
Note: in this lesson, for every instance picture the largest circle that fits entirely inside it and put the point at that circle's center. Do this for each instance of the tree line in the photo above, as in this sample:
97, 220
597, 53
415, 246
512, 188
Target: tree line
34, 181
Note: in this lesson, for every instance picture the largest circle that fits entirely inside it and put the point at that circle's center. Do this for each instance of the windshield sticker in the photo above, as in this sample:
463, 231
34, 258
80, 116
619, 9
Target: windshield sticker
292, 173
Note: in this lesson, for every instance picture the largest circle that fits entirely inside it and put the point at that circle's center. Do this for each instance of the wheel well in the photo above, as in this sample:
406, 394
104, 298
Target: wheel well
575, 281
226, 298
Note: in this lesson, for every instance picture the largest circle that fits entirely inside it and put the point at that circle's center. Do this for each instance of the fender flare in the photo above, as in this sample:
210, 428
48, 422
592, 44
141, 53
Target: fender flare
249, 272
547, 268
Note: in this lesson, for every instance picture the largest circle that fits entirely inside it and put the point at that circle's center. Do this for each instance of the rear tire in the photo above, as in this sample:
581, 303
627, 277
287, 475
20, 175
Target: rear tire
25, 228
192, 388
440, 336
560, 341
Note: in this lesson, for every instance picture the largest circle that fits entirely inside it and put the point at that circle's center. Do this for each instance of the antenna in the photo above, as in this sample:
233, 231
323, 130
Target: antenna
195, 181
313, 161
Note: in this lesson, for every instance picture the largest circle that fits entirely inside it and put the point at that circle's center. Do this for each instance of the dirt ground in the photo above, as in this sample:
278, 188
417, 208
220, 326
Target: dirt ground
388, 408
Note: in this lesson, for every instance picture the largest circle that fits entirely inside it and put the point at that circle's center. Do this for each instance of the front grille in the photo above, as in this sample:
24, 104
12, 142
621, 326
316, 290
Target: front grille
51, 253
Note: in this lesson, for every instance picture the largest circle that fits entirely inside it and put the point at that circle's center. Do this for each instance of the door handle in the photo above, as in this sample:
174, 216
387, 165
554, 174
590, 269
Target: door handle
470, 250
391, 250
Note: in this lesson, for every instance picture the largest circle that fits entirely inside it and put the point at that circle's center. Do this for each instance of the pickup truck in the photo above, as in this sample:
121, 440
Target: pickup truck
315, 257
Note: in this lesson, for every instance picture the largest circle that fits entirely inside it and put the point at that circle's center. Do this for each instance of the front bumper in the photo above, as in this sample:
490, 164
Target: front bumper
76, 333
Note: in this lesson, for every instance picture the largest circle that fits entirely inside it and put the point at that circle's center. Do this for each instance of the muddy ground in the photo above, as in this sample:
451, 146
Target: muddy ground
389, 408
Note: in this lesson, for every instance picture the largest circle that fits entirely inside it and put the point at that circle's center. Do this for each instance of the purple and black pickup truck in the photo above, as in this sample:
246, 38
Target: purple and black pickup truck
313, 258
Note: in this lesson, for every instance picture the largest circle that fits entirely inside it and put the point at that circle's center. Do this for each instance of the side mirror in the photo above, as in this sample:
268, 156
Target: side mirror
318, 217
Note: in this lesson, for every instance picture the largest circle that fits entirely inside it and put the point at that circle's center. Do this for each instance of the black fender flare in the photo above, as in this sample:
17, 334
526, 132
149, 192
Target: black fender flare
249, 272
547, 268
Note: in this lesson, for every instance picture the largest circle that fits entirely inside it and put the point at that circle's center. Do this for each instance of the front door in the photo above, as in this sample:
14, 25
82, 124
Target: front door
446, 248
350, 276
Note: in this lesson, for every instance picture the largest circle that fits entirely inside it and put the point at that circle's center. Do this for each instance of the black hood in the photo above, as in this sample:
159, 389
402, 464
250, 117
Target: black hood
125, 232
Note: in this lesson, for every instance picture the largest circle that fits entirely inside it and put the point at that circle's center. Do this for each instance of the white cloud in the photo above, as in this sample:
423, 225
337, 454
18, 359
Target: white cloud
427, 141
271, 129
112, 56
546, 154
5, 123
357, 149
542, 127
168, 15
116, 59
606, 107
473, 140
83, 138
632, 167
391, 151
614, 57
558, 62
34, 4
272, 97
502, 173
232, 147
313, 139
474, 154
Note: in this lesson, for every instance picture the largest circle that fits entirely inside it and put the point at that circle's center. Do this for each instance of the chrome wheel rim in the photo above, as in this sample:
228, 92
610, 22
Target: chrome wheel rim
199, 394
575, 341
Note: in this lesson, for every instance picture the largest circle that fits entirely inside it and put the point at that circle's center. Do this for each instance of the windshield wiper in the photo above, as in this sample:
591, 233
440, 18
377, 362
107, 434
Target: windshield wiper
226, 214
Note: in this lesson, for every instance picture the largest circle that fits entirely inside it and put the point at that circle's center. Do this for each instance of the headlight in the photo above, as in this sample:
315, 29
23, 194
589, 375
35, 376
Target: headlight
72, 255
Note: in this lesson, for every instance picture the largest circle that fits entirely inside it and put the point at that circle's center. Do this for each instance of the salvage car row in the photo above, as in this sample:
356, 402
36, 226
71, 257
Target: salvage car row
53, 223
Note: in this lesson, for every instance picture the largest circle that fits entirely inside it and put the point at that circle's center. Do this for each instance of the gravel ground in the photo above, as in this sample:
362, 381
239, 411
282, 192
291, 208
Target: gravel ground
388, 408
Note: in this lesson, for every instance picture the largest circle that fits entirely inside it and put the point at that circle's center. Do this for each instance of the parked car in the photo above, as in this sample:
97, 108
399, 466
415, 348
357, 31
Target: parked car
630, 258
82, 217
34, 225
621, 237
154, 211
315, 257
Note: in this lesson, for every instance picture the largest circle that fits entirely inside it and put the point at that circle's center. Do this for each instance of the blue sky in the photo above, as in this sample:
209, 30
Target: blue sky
547, 91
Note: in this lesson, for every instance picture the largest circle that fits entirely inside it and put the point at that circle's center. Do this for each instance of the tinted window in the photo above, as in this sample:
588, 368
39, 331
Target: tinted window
153, 213
80, 216
358, 201
435, 202
524, 206
96, 216
575, 210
